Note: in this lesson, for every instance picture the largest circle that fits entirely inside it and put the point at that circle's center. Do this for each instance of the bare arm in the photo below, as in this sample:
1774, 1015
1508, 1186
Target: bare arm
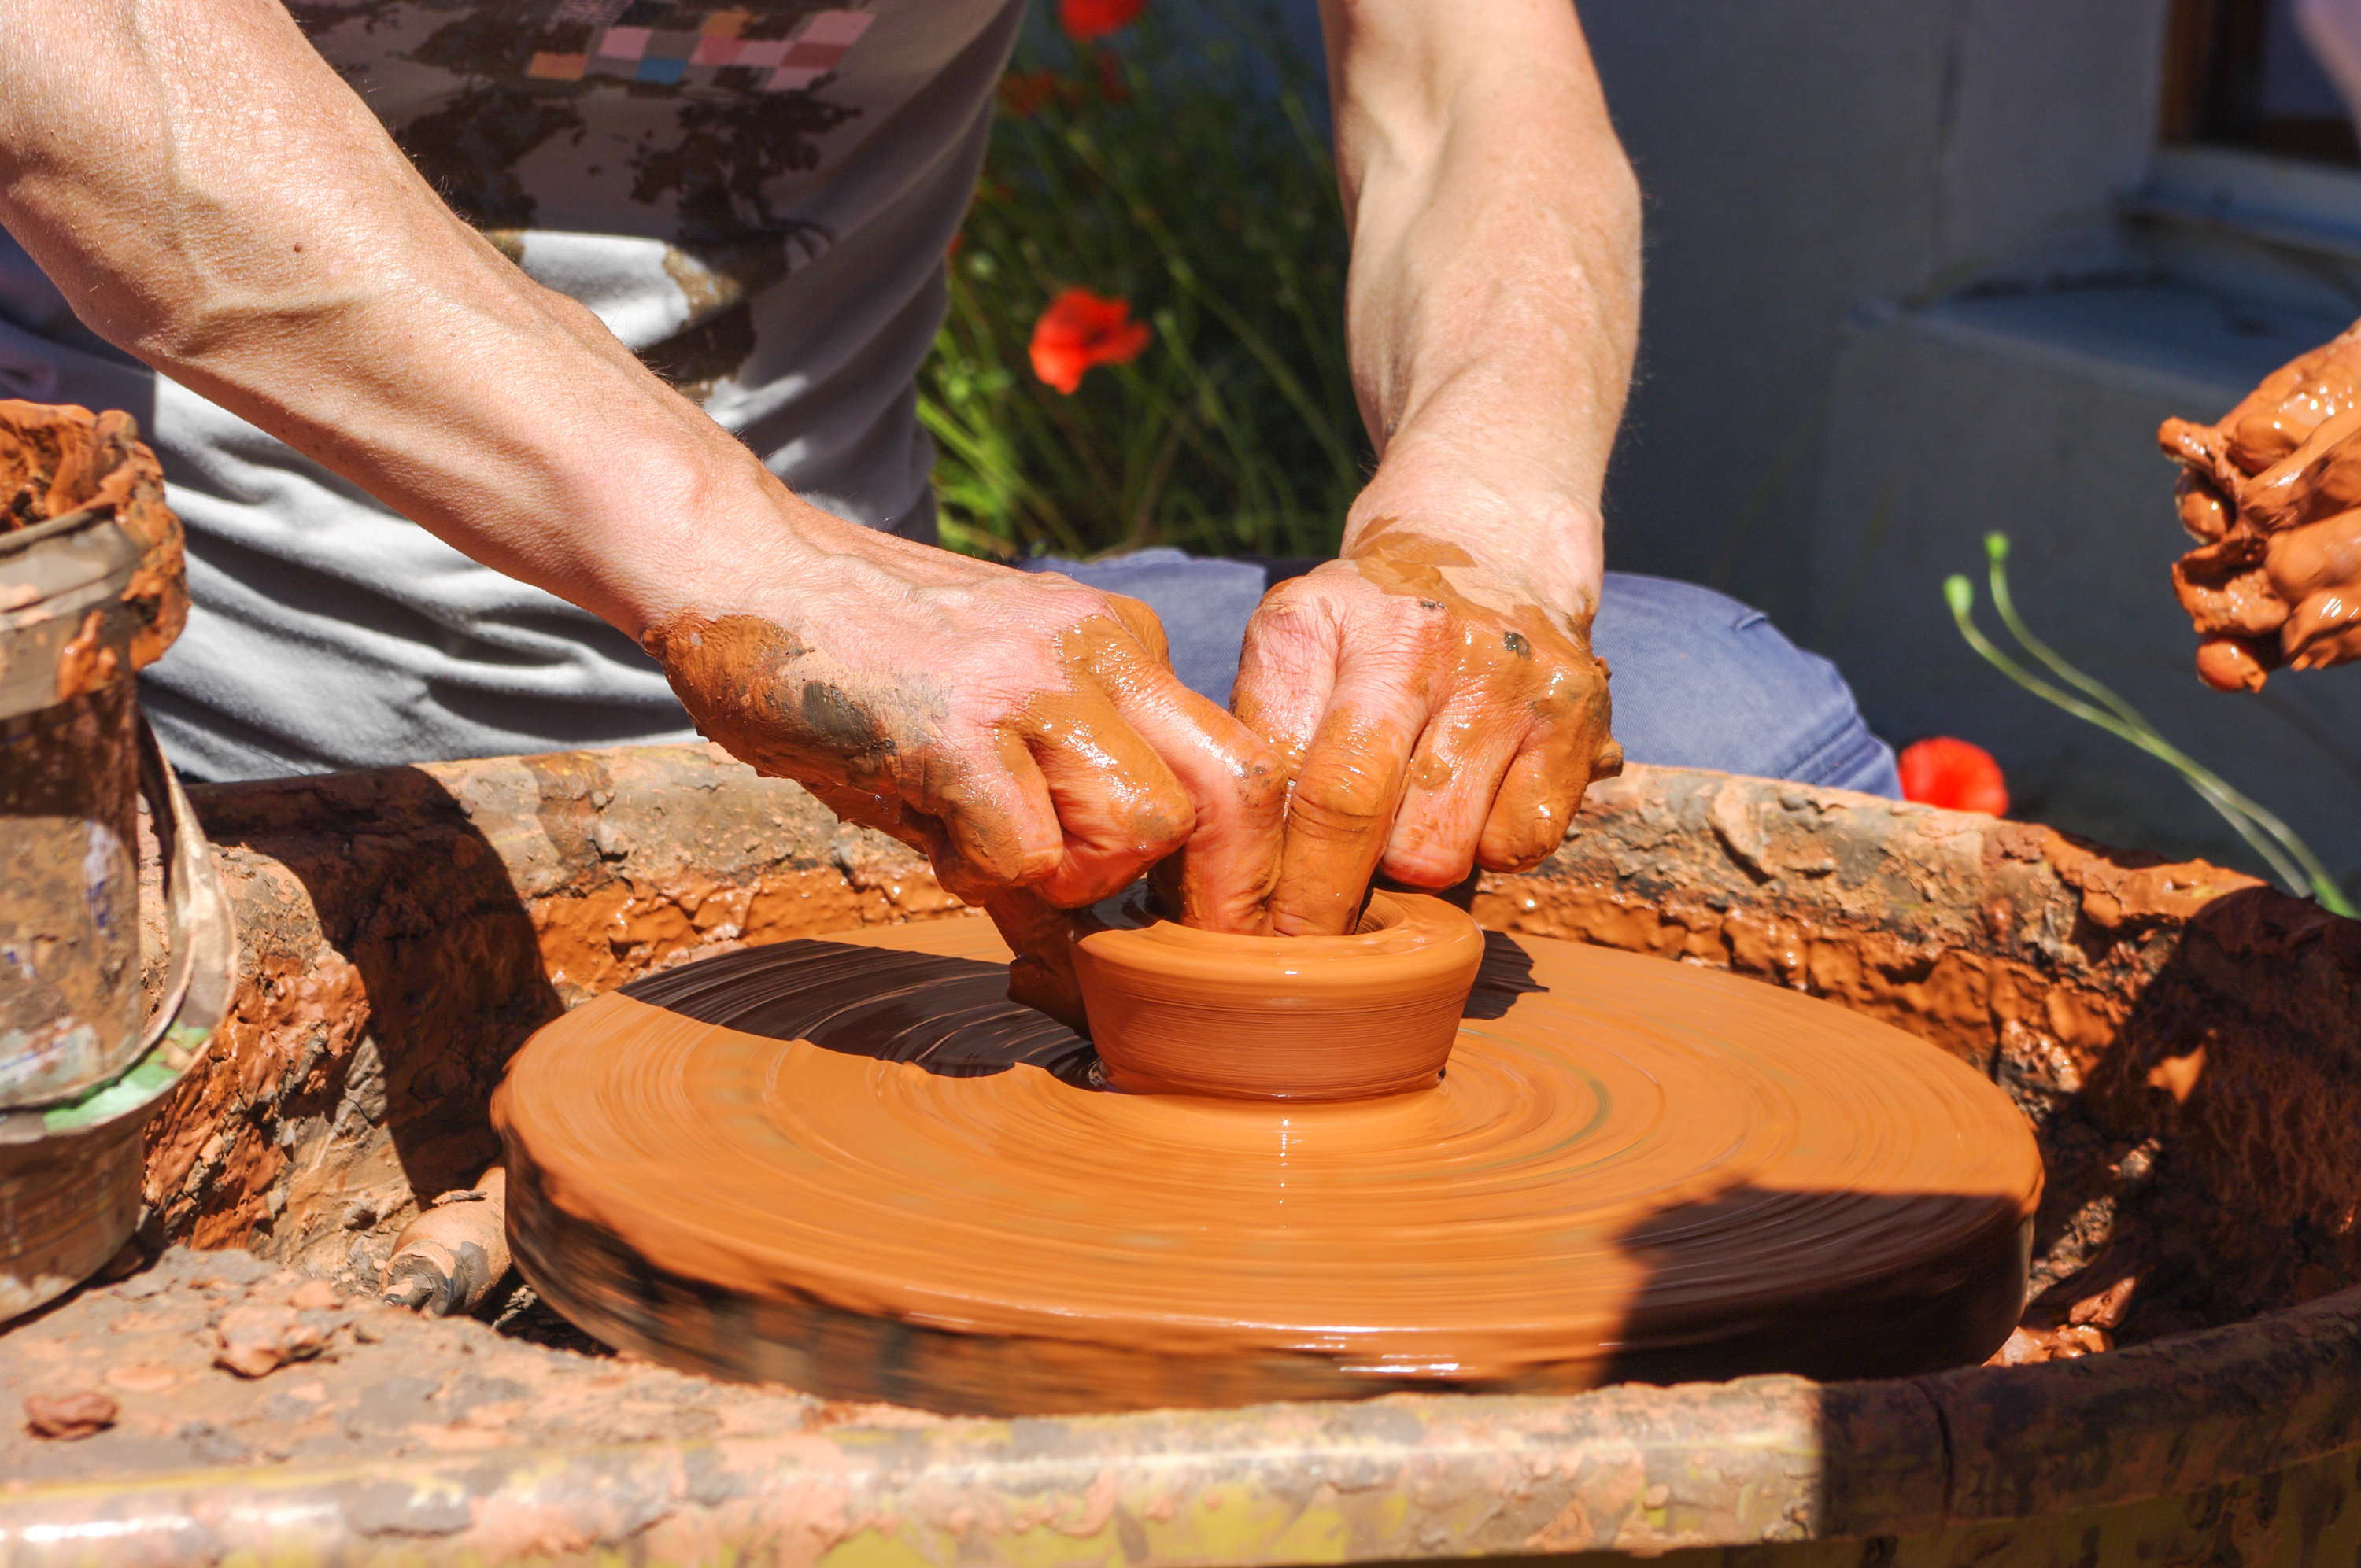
1494, 302
213, 198
1437, 682
210, 196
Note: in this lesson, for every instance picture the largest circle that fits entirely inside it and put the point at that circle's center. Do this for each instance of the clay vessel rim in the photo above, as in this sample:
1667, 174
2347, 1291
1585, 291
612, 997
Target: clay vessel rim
1395, 930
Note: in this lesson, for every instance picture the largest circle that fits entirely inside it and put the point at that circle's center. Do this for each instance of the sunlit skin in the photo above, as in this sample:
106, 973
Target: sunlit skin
213, 199
1492, 307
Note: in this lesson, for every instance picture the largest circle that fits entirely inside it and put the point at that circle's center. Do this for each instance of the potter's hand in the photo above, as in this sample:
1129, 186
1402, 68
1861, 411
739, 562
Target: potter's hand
2273, 496
1024, 731
1440, 716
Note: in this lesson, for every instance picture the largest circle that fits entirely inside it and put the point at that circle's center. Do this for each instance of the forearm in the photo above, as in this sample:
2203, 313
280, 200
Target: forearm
213, 199
1493, 302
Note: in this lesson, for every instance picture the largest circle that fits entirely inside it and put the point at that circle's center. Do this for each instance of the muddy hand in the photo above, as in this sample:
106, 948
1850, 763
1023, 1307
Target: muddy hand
1022, 731
2272, 495
1438, 715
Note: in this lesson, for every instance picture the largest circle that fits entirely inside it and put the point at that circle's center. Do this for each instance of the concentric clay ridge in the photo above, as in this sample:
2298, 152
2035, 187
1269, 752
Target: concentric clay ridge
855, 1168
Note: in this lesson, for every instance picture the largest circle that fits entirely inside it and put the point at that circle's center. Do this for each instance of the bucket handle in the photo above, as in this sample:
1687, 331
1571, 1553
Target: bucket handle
204, 938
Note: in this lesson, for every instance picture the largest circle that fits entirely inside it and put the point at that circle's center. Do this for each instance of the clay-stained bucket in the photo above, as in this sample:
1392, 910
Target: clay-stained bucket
91, 589
70, 1002
70, 1169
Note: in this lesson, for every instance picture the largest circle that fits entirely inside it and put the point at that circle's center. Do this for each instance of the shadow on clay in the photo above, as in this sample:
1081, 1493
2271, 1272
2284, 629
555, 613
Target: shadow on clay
1507, 974
950, 1016
1953, 1311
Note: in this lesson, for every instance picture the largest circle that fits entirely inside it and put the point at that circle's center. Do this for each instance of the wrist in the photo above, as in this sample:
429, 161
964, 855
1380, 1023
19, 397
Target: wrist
703, 528
1545, 536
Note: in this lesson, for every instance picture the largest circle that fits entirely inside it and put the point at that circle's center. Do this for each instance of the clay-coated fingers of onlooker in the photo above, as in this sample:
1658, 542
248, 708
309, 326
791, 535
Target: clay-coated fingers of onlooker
2237, 664
1455, 772
1236, 783
1341, 812
1119, 807
2205, 515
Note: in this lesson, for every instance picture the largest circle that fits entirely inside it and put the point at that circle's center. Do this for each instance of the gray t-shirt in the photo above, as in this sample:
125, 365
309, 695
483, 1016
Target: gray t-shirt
755, 195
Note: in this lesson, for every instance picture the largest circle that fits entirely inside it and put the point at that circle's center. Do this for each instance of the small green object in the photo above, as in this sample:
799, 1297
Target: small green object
2289, 858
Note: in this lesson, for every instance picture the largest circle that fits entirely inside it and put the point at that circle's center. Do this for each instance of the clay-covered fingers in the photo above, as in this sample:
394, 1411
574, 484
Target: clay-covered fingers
1454, 778
1042, 962
1340, 816
1443, 721
1496, 777
1236, 785
1338, 679
1136, 767
1114, 806
1287, 668
2206, 514
2236, 664
1144, 625
2318, 478
1568, 747
2291, 403
2272, 495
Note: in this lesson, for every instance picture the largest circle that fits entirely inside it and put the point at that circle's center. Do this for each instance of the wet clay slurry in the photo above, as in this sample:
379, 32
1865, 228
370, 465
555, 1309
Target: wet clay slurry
1174, 1010
855, 1168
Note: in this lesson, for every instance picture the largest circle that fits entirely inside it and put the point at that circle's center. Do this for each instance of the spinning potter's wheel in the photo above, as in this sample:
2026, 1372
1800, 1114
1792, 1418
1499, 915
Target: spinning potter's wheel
852, 1166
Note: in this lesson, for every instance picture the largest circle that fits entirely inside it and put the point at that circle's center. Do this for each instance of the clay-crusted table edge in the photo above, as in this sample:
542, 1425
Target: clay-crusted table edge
2019, 1443
1630, 1468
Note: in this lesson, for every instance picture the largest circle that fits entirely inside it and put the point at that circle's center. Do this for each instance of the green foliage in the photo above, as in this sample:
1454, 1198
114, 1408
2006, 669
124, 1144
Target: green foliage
1169, 175
2289, 856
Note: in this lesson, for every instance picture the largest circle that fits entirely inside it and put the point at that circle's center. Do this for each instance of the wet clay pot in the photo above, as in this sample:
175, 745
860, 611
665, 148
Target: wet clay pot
1178, 1011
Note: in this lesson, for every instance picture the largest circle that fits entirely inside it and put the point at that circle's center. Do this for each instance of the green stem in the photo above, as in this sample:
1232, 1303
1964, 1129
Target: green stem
2289, 858
2315, 875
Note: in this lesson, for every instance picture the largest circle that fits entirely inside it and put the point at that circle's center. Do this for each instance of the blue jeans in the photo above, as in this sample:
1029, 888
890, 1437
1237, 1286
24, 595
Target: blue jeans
1701, 681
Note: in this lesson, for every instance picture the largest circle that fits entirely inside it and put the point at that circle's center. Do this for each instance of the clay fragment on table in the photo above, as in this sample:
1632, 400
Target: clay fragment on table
69, 1417
256, 1340
449, 1259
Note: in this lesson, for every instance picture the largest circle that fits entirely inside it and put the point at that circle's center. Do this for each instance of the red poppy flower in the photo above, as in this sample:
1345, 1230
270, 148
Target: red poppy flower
1079, 329
1955, 775
1088, 19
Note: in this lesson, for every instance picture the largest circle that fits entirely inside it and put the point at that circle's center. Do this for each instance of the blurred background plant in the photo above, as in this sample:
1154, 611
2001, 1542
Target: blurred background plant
1167, 177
